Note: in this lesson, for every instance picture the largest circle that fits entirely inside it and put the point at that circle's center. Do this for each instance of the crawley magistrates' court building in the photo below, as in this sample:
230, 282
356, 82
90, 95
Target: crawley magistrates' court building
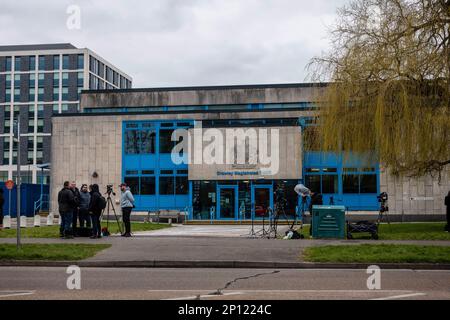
130, 135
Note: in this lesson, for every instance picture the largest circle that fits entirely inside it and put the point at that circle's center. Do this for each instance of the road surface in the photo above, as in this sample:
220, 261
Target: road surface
227, 284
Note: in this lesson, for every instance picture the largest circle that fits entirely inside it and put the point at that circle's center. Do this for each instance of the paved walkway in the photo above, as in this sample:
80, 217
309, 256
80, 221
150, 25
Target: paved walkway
227, 231
171, 248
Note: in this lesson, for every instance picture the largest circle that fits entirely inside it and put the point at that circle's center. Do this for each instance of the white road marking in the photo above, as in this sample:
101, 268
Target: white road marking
4, 294
402, 296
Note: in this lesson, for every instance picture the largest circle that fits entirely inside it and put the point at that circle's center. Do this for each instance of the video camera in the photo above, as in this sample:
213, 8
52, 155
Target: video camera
382, 199
109, 190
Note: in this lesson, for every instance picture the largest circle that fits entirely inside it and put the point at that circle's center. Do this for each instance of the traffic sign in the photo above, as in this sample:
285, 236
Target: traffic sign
9, 184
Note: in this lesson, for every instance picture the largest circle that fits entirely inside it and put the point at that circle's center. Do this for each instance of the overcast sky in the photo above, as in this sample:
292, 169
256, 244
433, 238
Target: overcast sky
183, 42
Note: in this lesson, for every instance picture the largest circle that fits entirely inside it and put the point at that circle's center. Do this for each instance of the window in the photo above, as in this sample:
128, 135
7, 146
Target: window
30, 143
368, 183
56, 62
16, 94
18, 63
39, 157
32, 63
7, 113
329, 183
40, 94
32, 80
350, 183
6, 157
131, 142
65, 79
65, 94
165, 143
8, 64
148, 139
41, 62
40, 111
55, 94
7, 126
8, 81
133, 183
147, 186
30, 125
3, 176
17, 80
40, 125
30, 156
31, 94
182, 185
56, 79
7, 94
80, 79
166, 185
39, 143
41, 80
16, 112
65, 62
312, 182
80, 61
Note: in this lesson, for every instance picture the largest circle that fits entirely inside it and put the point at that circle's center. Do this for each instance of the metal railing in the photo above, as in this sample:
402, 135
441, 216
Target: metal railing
41, 204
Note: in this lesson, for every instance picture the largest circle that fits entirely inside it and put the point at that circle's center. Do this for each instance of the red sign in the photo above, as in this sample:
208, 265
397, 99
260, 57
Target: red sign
9, 184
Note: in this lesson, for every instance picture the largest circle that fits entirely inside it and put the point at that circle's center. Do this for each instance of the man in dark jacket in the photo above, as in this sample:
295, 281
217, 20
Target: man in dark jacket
83, 211
95, 211
66, 204
76, 197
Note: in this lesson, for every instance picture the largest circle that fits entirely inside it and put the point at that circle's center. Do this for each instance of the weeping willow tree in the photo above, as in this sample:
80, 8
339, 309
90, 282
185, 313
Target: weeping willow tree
388, 95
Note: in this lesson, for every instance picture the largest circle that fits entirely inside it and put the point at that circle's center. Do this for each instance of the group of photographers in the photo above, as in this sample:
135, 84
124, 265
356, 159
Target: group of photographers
85, 207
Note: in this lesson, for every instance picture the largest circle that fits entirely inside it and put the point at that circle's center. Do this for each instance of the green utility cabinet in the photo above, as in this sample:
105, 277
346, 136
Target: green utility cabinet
328, 222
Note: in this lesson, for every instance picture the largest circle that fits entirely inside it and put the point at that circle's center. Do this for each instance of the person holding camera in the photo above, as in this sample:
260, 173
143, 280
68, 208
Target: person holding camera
96, 211
127, 204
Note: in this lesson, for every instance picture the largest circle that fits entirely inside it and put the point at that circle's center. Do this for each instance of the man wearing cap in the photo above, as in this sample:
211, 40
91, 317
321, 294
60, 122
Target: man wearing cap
127, 204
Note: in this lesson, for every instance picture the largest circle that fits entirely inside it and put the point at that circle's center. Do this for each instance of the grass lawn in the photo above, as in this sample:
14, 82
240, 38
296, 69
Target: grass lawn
404, 231
59, 252
53, 231
376, 253
413, 231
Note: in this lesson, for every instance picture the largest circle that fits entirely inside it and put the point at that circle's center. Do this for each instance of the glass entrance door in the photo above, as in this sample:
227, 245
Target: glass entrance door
227, 204
262, 199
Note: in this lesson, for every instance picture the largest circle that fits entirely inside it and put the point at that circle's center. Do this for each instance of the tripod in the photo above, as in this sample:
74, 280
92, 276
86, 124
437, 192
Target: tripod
109, 204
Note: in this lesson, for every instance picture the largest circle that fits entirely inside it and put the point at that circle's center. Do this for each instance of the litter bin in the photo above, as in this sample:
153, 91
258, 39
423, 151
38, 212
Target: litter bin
328, 222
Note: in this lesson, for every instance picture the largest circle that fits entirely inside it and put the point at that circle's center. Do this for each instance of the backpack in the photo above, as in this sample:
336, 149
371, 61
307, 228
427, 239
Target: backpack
101, 202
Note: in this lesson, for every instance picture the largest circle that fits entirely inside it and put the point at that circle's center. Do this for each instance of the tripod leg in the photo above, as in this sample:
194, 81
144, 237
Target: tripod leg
115, 215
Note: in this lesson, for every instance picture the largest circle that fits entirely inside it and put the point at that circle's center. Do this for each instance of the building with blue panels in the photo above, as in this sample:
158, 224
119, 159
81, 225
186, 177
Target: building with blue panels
224, 152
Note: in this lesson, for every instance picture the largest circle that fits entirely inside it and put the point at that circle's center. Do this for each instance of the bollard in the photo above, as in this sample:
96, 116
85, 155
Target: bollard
7, 222
23, 221
50, 218
37, 220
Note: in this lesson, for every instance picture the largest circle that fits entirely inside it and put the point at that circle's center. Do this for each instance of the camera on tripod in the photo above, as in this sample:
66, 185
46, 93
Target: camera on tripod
109, 190
382, 199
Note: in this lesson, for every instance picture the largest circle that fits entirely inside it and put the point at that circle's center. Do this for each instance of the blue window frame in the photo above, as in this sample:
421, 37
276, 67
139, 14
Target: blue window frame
41, 63
18, 63
156, 180
8, 63
65, 64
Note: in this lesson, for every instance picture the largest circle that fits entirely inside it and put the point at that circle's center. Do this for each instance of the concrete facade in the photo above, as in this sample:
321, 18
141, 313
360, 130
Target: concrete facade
92, 142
